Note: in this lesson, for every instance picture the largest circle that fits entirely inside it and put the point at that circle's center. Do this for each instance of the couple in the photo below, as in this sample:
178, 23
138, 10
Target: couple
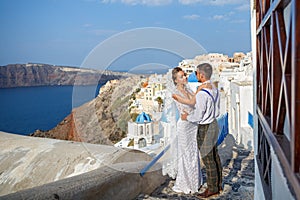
197, 130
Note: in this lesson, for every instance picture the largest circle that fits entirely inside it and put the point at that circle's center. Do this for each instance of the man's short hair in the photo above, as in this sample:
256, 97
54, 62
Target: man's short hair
206, 69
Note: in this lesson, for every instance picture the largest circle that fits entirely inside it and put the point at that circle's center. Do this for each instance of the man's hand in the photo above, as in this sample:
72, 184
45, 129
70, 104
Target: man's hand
184, 116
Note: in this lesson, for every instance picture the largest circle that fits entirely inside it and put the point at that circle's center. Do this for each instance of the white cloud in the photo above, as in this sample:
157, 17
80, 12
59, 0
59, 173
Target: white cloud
230, 13
184, 2
108, 1
238, 21
188, 2
244, 7
225, 16
87, 25
211, 2
90, 0
191, 17
219, 17
141, 2
224, 2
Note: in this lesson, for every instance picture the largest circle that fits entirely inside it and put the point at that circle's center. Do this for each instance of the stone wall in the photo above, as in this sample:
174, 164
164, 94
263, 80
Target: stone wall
41, 168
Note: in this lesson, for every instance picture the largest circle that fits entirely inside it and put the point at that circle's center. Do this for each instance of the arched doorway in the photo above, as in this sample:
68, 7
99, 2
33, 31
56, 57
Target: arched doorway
142, 142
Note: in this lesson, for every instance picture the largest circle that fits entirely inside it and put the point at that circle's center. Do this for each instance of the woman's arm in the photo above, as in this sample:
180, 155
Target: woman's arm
187, 101
192, 100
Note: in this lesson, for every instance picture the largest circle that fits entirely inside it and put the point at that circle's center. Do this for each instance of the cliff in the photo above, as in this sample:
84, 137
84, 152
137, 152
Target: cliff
20, 75
100, 121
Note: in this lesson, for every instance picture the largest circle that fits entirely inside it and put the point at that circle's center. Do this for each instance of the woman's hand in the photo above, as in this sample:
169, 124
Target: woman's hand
204, 85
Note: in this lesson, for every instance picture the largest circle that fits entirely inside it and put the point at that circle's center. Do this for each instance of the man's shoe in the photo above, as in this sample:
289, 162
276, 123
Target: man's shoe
207, 194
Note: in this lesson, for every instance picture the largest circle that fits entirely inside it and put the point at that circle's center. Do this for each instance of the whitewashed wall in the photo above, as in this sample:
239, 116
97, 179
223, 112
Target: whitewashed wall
241, 103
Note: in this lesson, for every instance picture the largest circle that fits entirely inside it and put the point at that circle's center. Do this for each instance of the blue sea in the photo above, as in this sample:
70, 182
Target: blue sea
26, 109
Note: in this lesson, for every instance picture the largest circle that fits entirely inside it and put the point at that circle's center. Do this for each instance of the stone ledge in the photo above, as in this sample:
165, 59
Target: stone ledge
118, 181
29, 164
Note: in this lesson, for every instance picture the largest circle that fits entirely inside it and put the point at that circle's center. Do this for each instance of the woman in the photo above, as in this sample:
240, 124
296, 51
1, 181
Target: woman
189, 177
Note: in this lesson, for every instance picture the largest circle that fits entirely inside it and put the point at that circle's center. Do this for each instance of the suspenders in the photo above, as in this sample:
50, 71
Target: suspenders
214, 100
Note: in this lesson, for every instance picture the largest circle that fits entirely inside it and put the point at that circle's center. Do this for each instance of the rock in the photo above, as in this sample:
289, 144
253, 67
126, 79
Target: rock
235, 187
100, 121
22, 75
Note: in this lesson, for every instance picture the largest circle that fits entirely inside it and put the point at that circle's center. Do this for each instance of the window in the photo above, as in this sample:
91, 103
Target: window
141, 130
147, 129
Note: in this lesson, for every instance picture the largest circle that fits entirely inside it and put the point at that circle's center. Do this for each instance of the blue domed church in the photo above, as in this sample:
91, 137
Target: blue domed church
141, 131
193, 82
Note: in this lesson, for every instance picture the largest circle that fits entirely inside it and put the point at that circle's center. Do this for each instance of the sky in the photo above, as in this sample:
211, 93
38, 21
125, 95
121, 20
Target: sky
65, 32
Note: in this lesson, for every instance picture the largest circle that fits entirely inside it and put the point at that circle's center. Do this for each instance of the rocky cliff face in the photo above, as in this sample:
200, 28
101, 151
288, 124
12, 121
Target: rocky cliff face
20, 75
100, 121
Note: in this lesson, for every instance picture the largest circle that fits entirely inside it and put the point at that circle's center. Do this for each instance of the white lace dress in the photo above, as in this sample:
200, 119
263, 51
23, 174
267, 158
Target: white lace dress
189, 176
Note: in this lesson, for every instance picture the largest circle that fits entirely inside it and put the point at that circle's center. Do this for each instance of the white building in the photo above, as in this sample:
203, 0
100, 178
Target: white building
211, 58
241, 112
146, 98
141, 131
236, 88
188, 66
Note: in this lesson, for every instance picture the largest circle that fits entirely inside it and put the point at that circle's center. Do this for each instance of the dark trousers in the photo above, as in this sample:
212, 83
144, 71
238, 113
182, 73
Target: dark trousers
207, 137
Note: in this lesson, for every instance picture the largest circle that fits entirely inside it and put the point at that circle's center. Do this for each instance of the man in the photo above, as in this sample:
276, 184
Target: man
205, 113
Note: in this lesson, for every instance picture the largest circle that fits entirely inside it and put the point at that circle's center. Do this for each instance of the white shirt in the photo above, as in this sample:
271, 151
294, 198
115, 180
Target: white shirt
206, 110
